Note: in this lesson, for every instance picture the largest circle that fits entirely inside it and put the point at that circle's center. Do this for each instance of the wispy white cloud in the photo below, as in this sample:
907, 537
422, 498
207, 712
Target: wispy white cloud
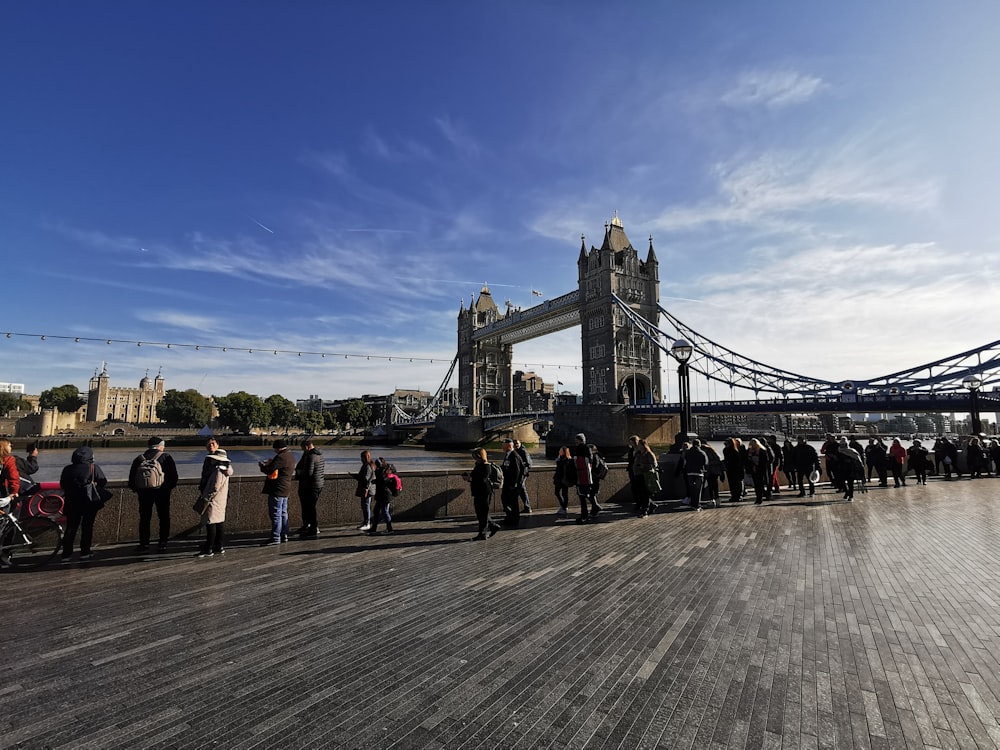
396, 149
96, 239
182, 320
455, 133
845, 311
780, 188
772, 88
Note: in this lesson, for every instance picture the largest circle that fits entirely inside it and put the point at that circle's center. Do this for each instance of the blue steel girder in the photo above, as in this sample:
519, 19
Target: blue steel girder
875, 403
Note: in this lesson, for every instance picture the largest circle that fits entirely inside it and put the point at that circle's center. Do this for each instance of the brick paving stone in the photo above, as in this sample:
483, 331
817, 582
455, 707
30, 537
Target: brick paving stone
793, 625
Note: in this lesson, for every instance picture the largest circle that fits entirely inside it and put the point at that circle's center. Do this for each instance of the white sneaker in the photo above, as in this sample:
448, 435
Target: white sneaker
366, 527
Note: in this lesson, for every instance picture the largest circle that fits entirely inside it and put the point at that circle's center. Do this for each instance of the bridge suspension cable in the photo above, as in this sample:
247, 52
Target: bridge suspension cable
431, 409
721, 364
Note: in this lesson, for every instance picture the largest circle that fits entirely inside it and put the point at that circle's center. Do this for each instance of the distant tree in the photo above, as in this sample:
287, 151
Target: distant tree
184, 408
284, 413
13, 402
65, 398
311, 421
356, 413
241, 411
330, 421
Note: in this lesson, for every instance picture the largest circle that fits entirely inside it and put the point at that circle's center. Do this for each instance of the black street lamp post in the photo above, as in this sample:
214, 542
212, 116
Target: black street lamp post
682, 351
974, 383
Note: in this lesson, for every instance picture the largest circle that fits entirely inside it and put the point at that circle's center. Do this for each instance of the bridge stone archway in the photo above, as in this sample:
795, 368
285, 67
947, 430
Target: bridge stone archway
620, 365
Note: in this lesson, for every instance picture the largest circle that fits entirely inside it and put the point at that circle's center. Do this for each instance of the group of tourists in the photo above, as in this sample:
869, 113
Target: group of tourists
754, 466
153, 477
581, 468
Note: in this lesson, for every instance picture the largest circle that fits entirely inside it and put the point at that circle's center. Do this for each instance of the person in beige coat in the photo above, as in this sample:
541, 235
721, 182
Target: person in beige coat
214, 487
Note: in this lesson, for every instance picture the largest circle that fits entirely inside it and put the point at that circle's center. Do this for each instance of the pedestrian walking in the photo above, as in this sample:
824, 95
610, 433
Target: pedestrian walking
897, 462
645, 470
482, 484
806, 461
522, 490
562, 479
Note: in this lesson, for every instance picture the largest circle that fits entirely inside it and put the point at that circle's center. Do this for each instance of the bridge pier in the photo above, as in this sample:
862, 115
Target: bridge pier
608, 426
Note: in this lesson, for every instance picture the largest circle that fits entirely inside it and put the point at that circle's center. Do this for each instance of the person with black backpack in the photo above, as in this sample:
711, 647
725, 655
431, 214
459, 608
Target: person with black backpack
152, 477
483, 481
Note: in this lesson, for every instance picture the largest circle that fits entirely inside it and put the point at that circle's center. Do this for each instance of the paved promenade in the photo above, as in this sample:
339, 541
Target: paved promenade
874, 624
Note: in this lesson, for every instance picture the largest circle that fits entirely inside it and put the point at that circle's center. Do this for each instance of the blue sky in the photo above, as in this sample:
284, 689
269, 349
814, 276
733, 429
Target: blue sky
336, 177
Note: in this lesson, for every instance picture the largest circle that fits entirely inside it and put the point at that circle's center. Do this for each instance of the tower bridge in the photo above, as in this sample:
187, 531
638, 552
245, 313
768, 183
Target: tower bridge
624, 332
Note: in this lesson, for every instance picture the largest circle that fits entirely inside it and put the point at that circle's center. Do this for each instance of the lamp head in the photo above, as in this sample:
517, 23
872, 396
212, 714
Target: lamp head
973, 382
681, 350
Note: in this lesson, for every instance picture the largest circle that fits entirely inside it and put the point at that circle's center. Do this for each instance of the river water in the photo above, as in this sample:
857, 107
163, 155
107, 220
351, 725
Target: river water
116, 461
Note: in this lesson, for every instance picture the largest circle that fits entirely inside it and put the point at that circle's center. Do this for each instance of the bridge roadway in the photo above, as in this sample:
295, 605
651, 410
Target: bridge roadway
797, 624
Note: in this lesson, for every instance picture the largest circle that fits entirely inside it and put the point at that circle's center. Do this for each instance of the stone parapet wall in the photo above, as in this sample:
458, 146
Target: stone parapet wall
425, 496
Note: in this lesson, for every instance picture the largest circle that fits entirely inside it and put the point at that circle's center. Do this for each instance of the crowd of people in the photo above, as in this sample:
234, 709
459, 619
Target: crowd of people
753, 467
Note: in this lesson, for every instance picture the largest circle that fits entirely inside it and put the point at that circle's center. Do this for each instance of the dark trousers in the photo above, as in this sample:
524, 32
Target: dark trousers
897, 473
522, 493
803, 479
712, 483
381, 511
583, 492
883, 478
148, 499
77, 518
562, 495
308, 495
793, 477
511, 505
640, 494
761, 484
735, 479
695, 484
595, 490
482, 505
214, 533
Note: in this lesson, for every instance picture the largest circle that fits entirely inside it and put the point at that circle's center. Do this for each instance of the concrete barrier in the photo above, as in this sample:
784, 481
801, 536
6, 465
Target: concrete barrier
426, 495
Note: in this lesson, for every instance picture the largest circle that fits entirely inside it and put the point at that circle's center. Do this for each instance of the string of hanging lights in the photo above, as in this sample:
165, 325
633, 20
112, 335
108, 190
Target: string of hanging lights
258, 349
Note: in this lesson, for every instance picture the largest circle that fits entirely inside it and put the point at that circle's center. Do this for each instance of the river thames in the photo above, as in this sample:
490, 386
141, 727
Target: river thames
116, 461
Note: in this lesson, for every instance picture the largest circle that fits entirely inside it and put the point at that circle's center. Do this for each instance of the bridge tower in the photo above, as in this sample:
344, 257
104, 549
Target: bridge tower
620, 366
486, 376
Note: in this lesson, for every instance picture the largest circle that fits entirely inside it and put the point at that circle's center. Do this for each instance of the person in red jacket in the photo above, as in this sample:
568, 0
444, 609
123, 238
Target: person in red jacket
897, 460
10, 480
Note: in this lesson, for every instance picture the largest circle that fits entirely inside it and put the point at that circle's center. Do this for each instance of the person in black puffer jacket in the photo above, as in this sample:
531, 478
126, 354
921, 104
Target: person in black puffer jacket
311, 473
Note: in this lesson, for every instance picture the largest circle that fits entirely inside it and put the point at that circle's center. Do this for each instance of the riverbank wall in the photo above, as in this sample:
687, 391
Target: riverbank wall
426, 495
